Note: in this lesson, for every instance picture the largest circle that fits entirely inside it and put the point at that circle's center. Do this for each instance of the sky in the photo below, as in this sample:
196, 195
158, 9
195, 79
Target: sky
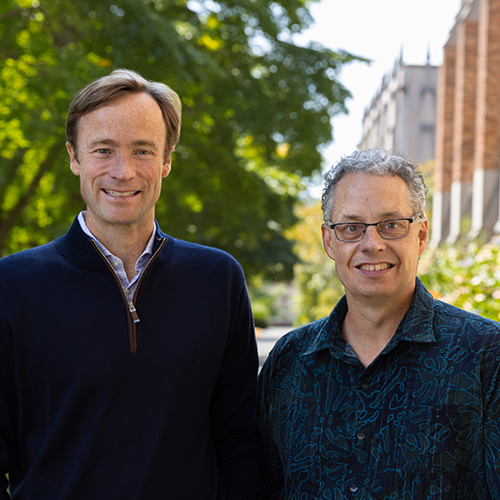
377, 30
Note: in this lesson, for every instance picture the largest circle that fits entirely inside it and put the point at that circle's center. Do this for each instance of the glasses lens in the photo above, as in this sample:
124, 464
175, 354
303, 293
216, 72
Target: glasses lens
392, 229
349, 231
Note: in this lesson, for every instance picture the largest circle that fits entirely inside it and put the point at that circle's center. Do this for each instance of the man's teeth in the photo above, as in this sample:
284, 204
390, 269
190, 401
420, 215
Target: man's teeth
119, 193
376, 267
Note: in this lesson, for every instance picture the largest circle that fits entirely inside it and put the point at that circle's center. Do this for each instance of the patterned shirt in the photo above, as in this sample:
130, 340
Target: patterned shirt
422, 421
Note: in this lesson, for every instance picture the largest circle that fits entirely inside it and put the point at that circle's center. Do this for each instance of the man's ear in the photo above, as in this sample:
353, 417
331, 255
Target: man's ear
423, 235
167, 166
73, 162
328, 241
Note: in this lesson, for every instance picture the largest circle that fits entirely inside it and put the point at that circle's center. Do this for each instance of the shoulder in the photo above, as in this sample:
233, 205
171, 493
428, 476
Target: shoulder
467, 335
449, 317
196, 256
72, 249
301, 337
289, 348
206, 253
30, 260
200, 266
448, 322
22, 273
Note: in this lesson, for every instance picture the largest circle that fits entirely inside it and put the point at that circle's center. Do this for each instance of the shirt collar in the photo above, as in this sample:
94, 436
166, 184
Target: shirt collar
148, 251
416, 326
329, 335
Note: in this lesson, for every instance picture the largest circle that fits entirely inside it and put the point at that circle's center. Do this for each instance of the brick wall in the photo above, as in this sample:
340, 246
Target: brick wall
465, 102
445, 119
487, 144
468, 122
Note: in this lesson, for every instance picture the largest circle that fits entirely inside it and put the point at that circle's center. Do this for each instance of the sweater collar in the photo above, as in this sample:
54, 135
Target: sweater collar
76, 247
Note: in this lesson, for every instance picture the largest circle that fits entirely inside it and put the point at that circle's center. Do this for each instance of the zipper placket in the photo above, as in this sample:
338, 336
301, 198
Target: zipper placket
132, 317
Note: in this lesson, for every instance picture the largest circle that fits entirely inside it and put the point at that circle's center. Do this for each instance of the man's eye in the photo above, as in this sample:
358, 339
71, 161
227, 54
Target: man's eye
103, 151
391, 225
143, 152
352, 228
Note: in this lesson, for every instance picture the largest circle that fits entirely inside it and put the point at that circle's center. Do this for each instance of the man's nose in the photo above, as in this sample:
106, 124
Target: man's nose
372, 239
123, 167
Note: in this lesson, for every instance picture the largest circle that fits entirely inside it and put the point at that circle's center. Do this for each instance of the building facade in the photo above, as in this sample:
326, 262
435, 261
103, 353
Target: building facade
467, 175
402, 115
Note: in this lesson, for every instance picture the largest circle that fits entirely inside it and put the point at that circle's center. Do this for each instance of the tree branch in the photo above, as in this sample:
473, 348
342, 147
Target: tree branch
7, 224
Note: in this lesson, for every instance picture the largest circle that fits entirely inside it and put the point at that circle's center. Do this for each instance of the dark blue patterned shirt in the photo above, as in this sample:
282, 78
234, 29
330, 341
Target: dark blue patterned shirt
421, 422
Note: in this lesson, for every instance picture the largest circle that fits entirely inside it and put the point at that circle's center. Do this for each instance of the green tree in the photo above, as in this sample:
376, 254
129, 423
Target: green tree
316, 281
256, 108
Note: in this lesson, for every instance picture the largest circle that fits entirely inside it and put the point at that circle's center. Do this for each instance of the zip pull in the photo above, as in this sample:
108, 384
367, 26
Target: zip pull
133, 312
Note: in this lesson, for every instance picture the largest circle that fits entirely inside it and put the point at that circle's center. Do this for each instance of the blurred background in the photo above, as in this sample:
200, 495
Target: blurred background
273, 93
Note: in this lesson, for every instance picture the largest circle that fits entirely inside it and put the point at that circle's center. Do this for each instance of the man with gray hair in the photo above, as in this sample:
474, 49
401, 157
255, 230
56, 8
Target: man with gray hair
128, 360
394, 395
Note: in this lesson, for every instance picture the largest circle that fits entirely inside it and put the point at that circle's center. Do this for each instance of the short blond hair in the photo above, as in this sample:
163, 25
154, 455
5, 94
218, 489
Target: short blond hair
117, 84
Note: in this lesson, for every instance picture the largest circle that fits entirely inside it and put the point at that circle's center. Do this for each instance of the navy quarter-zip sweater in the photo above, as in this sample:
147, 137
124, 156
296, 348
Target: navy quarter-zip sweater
96, 406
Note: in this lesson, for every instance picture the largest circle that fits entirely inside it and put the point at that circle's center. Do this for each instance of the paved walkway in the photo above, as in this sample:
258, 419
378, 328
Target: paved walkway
267, 337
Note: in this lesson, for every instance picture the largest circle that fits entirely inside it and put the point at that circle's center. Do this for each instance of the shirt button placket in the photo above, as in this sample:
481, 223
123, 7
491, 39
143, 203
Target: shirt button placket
361, 436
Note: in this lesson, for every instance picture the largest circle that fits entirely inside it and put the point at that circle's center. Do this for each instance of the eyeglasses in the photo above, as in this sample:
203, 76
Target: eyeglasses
390, 229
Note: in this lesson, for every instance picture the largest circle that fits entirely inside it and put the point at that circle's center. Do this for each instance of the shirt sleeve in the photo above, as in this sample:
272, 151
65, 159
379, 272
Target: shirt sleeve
234, 425
273, 470
8, 406
492, 428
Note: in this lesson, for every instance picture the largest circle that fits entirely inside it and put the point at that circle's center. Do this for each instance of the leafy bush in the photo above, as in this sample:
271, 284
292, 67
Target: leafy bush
466, 275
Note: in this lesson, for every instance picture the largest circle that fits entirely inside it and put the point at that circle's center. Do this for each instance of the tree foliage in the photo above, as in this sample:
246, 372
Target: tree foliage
316, 281
256, 108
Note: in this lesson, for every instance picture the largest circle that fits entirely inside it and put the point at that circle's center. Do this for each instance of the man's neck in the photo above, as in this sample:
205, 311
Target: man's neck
125, 242
368, 328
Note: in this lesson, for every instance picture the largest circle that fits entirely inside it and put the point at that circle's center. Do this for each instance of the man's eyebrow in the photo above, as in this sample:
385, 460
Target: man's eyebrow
103, 141
357, 218
111, 142
144, 142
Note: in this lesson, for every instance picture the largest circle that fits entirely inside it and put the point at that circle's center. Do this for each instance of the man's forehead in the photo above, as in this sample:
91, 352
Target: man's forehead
364, 179
358, 193
132, 105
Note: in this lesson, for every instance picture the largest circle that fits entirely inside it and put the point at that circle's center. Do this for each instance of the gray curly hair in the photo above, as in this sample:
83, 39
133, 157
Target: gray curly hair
377, 162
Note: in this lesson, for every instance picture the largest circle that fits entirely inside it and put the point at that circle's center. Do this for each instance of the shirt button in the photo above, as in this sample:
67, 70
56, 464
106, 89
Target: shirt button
353, 488
361, 435
365, 384
116, 263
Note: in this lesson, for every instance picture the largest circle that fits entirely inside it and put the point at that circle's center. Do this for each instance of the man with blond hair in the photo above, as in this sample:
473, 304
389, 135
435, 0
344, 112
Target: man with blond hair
127, 357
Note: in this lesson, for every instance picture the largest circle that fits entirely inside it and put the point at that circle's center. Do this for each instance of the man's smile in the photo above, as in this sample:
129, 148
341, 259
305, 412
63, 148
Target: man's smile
374, 267
120, 194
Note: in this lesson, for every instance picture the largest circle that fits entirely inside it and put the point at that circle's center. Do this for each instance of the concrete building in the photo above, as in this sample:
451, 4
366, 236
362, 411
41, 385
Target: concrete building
468, 126
402, 115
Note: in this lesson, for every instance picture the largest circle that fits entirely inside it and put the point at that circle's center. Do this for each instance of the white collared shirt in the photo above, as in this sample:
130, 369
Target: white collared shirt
117, 264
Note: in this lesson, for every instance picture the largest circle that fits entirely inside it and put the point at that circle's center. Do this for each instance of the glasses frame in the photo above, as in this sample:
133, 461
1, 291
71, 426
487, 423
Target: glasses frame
376, 224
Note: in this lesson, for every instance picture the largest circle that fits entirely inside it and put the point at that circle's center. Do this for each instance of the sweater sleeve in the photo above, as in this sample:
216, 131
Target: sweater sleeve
234, 426
8, 405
